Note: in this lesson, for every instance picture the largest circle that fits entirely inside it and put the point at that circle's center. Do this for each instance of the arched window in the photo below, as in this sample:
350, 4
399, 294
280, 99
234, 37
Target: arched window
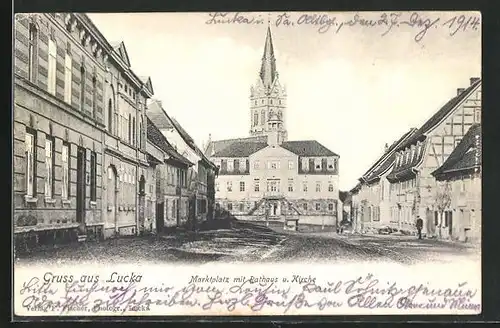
110, 116
33, 53
133, 131
263, 117
130, 128
82, 86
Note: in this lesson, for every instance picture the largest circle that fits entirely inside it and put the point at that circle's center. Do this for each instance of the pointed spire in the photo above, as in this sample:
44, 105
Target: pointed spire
268, 68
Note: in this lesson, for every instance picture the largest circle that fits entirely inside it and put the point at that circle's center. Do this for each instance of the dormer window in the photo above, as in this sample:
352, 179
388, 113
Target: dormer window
331, 163
305, 164
317, 164
230, 165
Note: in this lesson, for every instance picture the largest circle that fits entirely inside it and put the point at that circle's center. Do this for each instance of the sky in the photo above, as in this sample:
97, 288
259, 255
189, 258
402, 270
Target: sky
350, 88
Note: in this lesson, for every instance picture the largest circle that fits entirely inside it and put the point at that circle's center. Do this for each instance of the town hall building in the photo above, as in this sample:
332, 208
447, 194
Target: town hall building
268, 177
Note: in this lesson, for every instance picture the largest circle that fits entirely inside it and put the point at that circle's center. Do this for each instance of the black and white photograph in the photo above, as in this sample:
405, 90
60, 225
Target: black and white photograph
246, 163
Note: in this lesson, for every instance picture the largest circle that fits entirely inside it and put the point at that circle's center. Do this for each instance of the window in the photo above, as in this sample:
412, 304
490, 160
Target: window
331, 163
274, 165
93, 176
229, 206
50, 167
318, 186
30, 163
242, 207
256, 185
67, 78
255, 118
94, 95
290, 165
242, 186
290, 185
129, 128
272, 185
33, 53
271, 101
140, 134
317, 163
462, 186
217, 186
330, 187
65, 159
229, 186
51, 78
318, 206
256, 164
330, 207
230, 165
82, 86
280, 101
304, 186
110, 117
305, 164
263, 116
304, 206
477, 115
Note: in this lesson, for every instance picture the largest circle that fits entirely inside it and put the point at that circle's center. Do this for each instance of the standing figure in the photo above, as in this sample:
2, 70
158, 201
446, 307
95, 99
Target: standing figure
419, 224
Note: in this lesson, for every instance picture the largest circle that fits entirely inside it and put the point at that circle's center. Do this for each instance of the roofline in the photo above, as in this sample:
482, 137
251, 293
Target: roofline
437, 172
384, 156
471, 90
87, 22
431, 129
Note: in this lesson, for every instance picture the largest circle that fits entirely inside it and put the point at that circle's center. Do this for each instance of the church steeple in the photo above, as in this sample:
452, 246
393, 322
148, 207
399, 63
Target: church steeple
268, 97
268, 67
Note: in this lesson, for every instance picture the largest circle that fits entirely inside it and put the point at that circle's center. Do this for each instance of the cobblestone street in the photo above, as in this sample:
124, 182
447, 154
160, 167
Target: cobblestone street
246, 242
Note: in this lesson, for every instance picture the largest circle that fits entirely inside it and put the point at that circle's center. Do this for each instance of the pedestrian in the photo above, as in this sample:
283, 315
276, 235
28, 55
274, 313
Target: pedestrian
419, 224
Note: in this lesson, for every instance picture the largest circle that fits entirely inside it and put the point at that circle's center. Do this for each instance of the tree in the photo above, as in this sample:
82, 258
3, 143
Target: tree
442, 201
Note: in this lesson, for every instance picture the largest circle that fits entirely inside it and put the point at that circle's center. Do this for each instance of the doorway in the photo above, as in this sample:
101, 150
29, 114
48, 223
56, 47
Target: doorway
111, 191
142, 200
80, 186
160, 217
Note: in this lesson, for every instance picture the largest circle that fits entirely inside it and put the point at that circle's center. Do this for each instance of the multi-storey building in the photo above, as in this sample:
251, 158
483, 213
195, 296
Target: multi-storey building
459, 188
413, 189
373, 195
170, 171
78, 133
199, 206
266, 173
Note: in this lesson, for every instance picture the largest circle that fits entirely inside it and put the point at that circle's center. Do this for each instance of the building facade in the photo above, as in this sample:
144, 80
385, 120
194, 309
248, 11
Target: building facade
171, 171
266, 176
199, 197
459, 186
413, 190
373, 194
78, 136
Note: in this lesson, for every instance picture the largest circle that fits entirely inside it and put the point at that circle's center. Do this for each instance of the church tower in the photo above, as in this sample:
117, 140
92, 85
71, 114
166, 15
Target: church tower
268, 97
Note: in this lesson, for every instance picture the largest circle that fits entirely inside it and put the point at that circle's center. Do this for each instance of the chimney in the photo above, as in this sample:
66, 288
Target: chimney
474, 80
386, 147
460, 90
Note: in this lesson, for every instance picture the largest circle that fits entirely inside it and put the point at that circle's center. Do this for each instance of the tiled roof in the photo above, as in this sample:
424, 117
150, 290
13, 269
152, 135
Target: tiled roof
218, 145
248, 146
240, 149
158, 116
163, 121
439, 115
386, 160
310, 148
159, 140
465, 157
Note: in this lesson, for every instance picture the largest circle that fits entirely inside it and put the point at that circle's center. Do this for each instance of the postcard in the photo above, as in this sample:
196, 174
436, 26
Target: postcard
246, 164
